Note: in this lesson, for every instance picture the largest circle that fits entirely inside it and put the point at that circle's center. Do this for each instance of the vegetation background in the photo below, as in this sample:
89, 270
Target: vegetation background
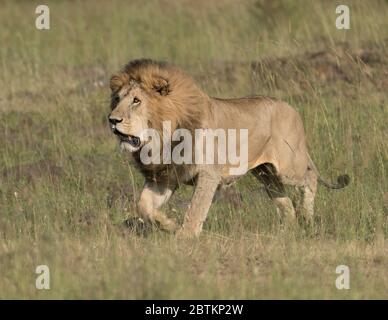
65, 191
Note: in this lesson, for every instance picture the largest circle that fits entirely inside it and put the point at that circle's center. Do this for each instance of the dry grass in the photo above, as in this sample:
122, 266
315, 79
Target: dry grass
65, 191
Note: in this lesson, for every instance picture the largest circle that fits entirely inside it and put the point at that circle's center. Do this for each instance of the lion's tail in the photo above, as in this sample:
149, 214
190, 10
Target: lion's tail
342, 180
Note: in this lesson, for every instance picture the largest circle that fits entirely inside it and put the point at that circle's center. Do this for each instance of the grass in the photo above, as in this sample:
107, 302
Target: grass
65, 190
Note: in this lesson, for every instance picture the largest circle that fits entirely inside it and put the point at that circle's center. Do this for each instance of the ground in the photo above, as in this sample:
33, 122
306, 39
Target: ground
67, 196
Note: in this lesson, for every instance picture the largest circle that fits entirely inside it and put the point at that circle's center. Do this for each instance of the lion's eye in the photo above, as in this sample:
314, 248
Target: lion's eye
116, 99
135, 100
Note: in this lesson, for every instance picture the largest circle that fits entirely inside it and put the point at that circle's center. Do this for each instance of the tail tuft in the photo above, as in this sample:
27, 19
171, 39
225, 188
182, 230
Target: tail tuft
343, 180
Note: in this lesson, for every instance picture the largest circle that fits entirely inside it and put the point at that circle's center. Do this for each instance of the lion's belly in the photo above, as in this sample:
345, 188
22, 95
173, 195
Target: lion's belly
252, 163
290, 164
261, 160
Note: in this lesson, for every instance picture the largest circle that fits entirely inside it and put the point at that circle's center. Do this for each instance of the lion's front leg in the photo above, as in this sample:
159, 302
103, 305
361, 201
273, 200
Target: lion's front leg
200, 203
152, 198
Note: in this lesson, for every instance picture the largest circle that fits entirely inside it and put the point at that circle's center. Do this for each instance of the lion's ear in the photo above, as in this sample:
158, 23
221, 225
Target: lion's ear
161, 86
116, 82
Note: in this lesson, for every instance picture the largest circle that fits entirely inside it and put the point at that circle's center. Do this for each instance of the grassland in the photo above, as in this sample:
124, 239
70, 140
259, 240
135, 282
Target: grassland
65, 191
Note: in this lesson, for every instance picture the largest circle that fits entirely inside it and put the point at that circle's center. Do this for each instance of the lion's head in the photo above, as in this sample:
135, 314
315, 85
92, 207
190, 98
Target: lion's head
146, 93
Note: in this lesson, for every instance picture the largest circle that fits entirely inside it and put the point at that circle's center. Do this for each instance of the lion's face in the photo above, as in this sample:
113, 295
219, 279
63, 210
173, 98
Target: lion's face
129, 116
144, 96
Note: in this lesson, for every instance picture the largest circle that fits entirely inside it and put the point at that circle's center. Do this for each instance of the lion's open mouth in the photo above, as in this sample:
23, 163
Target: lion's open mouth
132, 140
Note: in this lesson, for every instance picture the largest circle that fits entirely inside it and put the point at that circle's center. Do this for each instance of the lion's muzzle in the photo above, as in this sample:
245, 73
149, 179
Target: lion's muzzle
132, 140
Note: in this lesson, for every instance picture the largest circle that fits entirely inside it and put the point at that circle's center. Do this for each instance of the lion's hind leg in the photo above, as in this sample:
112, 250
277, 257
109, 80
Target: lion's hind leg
266, 174
308, 191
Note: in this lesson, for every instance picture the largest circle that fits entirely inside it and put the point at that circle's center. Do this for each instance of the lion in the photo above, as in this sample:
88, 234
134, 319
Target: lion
145, 93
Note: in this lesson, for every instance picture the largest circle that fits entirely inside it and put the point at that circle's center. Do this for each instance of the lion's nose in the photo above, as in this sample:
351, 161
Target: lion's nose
114, 120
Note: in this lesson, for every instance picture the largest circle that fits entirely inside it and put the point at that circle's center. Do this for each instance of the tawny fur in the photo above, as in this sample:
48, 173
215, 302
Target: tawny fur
277, 153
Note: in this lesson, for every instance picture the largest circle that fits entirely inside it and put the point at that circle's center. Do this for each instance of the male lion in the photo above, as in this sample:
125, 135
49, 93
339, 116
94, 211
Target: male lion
146, 93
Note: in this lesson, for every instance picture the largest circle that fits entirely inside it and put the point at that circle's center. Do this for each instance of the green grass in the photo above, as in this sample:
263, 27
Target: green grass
65, 190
